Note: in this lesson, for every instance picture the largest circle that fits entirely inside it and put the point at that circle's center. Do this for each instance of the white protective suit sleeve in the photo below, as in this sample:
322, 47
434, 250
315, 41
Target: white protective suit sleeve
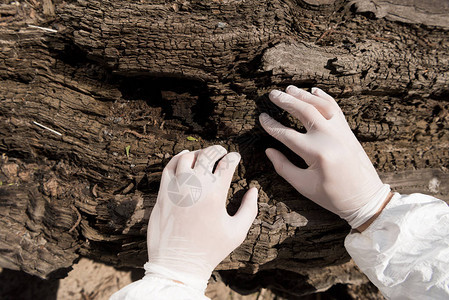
155, 287
405, 251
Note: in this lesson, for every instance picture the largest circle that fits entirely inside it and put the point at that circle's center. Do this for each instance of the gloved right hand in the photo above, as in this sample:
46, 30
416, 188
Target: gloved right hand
340, 176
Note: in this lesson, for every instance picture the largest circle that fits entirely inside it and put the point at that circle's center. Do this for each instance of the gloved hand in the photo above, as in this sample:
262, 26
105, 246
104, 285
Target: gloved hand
190, 231
340, 176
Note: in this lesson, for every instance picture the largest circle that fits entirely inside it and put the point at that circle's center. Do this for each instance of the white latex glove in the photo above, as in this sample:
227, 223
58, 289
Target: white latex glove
340, 177
190, 231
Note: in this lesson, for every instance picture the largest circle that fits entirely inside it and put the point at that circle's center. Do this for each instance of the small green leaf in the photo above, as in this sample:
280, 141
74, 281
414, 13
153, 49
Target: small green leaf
127, 150
1, 183
191, 138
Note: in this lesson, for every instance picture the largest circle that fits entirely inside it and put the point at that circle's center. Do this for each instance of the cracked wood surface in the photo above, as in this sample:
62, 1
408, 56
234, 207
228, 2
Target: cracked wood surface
149, 74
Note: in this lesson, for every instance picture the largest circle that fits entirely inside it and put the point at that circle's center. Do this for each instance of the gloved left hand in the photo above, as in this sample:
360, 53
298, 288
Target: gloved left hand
190, 231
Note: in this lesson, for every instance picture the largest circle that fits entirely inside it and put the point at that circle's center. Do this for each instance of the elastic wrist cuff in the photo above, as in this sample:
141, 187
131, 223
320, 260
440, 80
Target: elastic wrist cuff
154, 270
363, 214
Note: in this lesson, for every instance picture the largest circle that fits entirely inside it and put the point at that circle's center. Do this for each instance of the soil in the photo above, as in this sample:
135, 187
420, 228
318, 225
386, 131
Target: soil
90, 280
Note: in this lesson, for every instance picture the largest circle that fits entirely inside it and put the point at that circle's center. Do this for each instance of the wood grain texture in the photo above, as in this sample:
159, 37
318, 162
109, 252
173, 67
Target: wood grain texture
431, 13
149, 74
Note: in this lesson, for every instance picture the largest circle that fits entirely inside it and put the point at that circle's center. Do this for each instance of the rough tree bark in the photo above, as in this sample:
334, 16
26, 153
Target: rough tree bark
107, 75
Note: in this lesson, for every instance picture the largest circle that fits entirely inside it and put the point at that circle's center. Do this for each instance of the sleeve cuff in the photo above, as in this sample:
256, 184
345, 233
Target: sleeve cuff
154, 270
405, 250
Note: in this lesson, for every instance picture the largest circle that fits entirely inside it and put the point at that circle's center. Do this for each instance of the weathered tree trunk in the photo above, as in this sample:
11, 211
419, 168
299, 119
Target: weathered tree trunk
112, 75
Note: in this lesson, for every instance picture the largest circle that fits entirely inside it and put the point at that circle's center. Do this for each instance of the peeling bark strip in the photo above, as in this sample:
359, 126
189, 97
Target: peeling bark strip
128, 84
